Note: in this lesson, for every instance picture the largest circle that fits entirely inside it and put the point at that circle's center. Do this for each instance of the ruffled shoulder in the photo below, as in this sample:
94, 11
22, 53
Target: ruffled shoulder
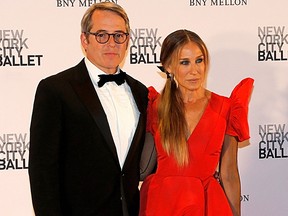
153, 94
151, 109
238, 119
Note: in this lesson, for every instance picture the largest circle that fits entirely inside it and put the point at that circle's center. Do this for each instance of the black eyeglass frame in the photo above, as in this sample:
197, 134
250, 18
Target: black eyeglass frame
109, 34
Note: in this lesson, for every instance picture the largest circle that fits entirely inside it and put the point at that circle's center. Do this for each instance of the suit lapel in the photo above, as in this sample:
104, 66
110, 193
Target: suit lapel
141, 126
137, 94
84, 88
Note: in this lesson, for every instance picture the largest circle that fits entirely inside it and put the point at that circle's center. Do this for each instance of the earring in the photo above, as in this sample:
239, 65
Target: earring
171, 76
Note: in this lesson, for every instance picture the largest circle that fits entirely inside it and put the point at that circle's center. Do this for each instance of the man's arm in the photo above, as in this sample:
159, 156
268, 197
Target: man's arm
44, 151
148, 157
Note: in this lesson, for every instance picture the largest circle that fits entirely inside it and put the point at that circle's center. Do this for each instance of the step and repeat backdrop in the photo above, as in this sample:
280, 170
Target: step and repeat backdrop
246, 38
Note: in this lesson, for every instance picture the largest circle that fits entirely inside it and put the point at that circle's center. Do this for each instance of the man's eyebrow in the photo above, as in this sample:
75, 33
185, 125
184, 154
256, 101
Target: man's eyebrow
105, 31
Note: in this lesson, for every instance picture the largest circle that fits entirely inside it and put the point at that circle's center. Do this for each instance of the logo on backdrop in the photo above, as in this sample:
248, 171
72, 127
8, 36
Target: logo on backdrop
14, 150
79, 3
145, 46
244, 198
13, 44
225, 3
273, 43
273, 142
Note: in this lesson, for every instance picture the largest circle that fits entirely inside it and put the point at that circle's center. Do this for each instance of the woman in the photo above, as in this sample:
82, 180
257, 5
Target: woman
196, 132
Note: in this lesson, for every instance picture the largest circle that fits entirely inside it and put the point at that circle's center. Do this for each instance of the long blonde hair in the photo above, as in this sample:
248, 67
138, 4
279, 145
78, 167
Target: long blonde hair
172, 122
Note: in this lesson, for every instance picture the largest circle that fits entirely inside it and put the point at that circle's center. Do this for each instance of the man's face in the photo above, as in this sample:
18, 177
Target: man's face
108, 56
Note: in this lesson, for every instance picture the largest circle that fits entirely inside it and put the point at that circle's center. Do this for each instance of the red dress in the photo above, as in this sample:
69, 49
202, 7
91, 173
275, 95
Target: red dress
193, 190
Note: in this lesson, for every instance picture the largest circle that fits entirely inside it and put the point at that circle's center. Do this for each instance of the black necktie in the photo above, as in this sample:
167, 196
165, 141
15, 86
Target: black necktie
118, 78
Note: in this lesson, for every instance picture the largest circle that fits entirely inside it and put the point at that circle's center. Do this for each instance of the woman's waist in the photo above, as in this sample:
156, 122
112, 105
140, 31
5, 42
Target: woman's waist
196, 176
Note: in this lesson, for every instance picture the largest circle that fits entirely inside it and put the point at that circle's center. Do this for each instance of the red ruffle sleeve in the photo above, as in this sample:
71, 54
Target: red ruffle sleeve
238, 120
152, 110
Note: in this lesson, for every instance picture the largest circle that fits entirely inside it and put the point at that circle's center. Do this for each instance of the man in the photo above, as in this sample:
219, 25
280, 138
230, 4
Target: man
87, 135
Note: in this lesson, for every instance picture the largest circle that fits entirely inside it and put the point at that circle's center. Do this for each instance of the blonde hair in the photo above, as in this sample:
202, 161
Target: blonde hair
172, 122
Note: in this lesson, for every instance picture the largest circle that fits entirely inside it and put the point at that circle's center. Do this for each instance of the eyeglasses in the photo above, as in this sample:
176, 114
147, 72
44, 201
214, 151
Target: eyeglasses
103, 37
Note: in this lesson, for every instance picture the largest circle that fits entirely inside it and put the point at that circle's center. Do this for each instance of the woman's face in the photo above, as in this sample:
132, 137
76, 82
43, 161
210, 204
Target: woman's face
189, 70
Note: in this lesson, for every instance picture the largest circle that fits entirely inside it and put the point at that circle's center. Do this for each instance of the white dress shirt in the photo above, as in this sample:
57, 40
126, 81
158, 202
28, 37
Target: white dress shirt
120, 109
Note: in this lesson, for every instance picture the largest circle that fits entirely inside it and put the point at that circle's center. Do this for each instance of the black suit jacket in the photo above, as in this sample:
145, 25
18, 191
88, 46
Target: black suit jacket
73, 164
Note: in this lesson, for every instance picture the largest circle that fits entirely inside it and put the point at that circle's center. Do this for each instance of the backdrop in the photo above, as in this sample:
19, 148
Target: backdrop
245, 38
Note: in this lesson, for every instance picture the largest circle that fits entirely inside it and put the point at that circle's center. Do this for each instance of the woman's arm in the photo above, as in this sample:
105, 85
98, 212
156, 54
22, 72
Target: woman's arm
229, 174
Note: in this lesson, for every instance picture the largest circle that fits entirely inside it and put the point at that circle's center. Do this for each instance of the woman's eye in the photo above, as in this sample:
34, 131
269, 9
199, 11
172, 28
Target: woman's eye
199, 60
184, 62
